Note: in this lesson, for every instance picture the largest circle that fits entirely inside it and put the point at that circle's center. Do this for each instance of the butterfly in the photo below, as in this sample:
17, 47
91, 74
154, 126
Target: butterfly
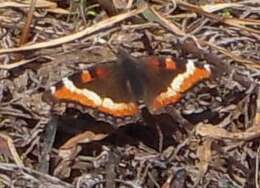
116, 92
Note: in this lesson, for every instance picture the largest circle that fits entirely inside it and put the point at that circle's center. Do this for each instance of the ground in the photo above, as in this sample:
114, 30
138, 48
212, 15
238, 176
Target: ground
209, 138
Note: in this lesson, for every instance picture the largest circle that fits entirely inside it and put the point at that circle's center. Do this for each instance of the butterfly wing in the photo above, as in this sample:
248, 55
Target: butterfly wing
167, 80
102, 91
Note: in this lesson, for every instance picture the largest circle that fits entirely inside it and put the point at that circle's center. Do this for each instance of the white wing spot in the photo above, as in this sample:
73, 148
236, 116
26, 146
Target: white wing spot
207, 67
177, 82
108, 103
53, 89
89, 94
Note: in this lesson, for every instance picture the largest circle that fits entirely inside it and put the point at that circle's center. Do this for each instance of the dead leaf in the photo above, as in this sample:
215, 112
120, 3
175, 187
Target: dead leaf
209, 130
7, 148
204, 154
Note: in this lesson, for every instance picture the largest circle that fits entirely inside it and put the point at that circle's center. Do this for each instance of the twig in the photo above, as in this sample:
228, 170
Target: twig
247, 62
173, 28
39, 4
208, 130
26, 28
17, 64
48, 141
239, 23
153, 15
41, 178
88, 31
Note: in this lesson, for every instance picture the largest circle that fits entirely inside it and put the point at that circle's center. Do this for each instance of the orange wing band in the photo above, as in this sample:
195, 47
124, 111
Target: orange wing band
86, 76
65, 94
198, 75
173, 96
115, 109
125, 109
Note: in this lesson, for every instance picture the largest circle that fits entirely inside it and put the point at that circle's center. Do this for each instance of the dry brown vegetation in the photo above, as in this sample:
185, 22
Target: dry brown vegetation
209, 139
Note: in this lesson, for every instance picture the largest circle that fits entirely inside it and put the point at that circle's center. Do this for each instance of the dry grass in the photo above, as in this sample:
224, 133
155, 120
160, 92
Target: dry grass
209, 139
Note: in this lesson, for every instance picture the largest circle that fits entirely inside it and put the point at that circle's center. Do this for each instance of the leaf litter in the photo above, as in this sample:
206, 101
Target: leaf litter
209, 139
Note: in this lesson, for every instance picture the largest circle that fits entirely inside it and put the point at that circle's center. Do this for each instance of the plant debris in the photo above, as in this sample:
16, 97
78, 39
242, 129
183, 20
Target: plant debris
210, 138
